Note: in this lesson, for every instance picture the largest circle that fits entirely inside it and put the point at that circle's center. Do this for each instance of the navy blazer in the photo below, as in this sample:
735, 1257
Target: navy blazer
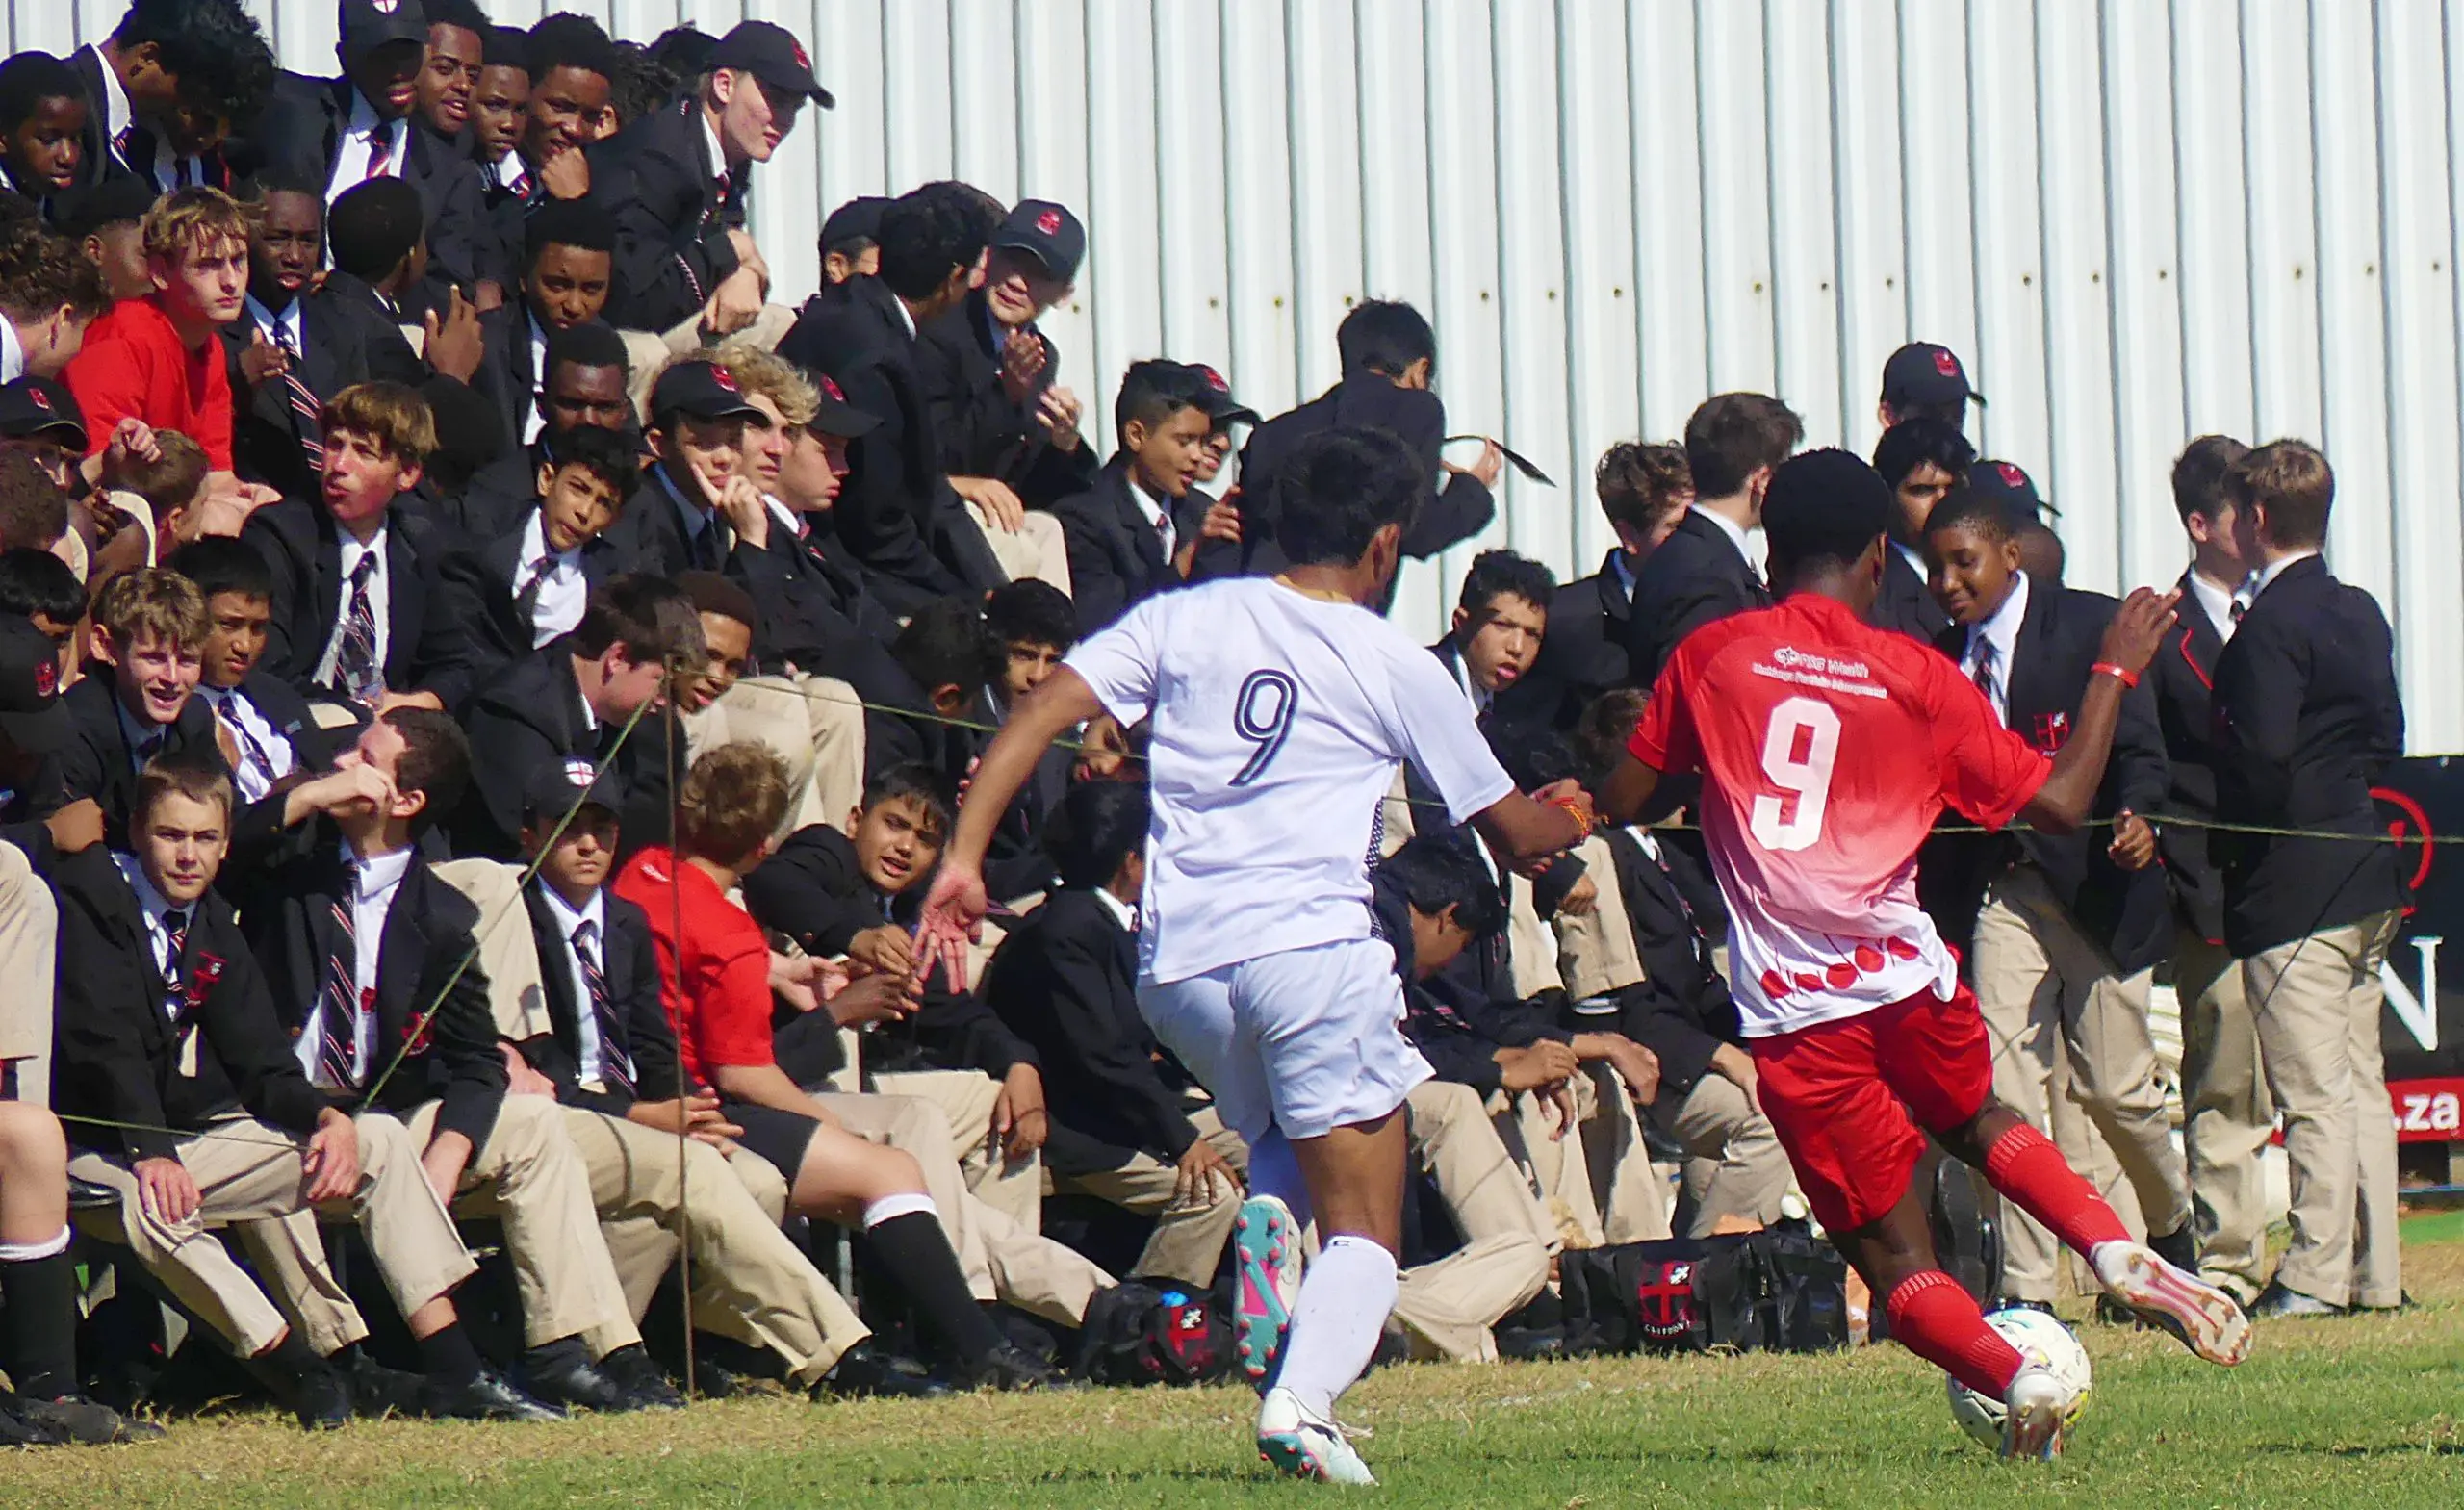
641, 1028
1695, 576
2307, 715
674, 208
1117, 559
1906, 603
303, 550
2183, 675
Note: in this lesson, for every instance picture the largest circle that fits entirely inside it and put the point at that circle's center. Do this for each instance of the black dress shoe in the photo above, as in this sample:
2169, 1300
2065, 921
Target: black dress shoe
87, 1195
863, 1371
486, 1397
645, 1387
572, 1384
2178, 1247
377, 1392
1531, 1341
319, 1395
17, 1430
2279, 1302
1010, 1366
76, 1418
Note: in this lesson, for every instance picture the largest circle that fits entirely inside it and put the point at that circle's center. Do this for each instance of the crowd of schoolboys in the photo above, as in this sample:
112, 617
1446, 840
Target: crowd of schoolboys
483, 685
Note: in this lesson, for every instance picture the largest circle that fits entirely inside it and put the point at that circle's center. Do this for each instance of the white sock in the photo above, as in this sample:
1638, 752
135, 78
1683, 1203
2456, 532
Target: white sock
1344, 1303
890, 1207
1274, 1171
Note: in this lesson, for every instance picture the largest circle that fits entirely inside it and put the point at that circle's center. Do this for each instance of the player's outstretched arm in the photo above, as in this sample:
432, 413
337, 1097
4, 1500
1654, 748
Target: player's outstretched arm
2131, 641
1628, 791
954, 908
1523, 828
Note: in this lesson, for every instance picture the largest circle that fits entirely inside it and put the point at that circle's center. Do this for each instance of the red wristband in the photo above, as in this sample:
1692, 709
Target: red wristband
2128, 678
1576, 812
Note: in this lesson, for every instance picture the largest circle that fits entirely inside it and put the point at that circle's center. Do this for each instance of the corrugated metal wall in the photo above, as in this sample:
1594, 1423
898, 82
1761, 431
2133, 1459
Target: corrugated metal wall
2138, 220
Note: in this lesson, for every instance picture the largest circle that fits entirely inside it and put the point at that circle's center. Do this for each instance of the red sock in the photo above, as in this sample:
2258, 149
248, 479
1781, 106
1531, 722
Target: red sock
2024, 1165
1938, 1321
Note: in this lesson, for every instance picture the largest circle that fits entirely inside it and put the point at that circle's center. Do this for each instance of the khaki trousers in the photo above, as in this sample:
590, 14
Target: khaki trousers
965, 1098
749, 1282
1531, 950
1002, 1259
1595, 1178
2040, 982
28, 934
530, 1178
1734, 1169
815, 724
2227, 1116
1188, 1241
1447, 1308
2317, 1001
248, 1171
1596, 952
1036, 548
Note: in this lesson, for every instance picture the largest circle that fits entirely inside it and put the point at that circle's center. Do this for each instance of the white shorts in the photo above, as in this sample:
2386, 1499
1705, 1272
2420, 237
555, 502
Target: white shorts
1306, 1041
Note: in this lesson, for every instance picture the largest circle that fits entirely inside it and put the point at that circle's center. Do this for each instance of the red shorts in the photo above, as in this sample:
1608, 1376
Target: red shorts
1847, 1098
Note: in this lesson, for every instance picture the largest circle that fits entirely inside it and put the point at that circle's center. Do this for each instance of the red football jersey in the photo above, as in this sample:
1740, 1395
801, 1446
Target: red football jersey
1828, 747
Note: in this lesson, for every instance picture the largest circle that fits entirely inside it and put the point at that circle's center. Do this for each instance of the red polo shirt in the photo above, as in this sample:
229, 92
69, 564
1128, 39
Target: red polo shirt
723, 1017
133, 364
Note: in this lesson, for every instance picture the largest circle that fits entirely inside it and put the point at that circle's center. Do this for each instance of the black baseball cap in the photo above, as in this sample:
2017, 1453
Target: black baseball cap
1924, 375
31, 716
116, 200
1215, 396
836, 416
2006, 484
1047, 232
556, 787
858, 219
40, 406
370, 24
771, 53
699, 389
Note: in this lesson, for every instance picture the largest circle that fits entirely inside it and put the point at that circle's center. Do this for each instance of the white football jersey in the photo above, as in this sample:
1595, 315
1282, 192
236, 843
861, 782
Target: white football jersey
1279, 720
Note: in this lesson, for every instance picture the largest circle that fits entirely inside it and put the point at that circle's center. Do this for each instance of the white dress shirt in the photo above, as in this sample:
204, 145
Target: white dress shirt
376, 882
152, 908
1122, 912
538, 379
2001, 631
380, 603
2219, 602
356, 149
563, 591
279, 327
585, 1021
1159, 514
266, 755
136, 733
2275, 568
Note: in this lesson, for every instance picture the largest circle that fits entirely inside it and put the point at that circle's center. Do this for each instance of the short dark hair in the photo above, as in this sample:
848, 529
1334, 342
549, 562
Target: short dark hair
947, 644
372, 226
577, 223
1093, 828
505, 47
591, 344
2200, 473
1824, 507
1152, 393
29, 79
436, 760
223, 564
604, 454
1732, 436
1638, 482
1031, 612
33, 510
913, 781
282, 178
2292, 480
1339, 488
464, 13
40, 271
1602, 730
1435, 874
37, 582
931, 232
568, 40
213, 48
651, 618
1911, 444
1385, 335
1503, 574
715, 594
642, 85
1979, 513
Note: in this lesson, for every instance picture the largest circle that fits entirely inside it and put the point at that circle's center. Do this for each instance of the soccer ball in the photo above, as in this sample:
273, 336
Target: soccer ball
2043, 1340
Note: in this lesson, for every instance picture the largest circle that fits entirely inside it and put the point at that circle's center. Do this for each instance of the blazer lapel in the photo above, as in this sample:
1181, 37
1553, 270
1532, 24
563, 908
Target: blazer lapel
401, 953
1144, 543
405, 597
556, 982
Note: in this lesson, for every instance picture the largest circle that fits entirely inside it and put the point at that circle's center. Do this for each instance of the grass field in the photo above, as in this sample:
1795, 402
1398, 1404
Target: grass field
2335, 1413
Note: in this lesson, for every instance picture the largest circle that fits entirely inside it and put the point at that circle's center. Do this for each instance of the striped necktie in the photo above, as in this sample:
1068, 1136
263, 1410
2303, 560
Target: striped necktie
355, 666
340, 1001
380, 152
615, 1066
307, 414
